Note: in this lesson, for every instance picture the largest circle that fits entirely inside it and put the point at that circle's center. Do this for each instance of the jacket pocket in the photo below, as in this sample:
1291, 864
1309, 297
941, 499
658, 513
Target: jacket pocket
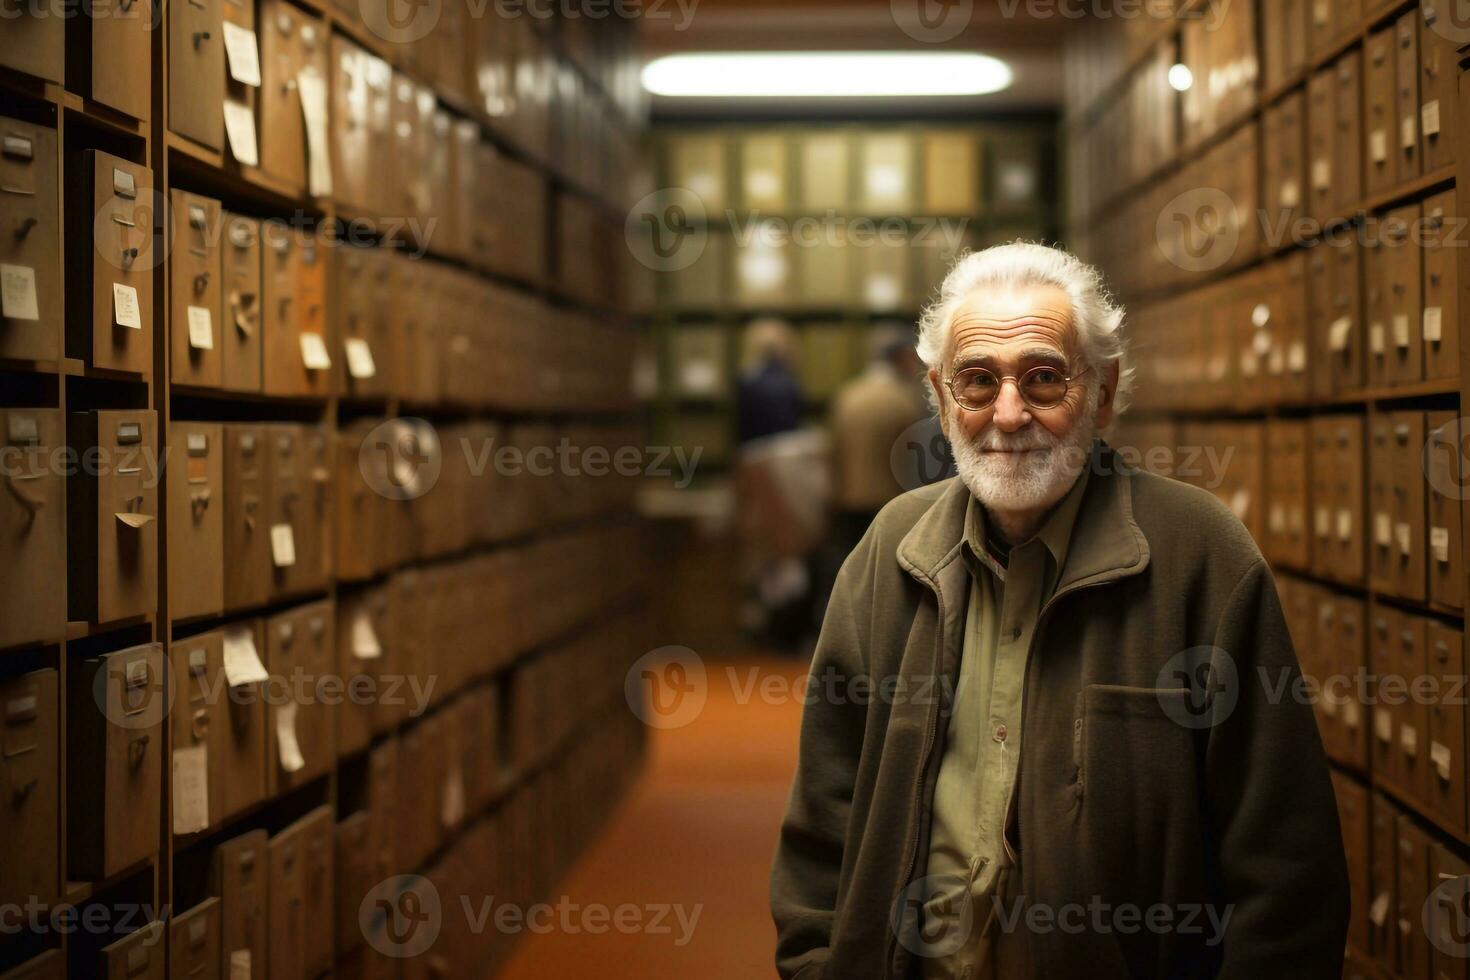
1135, 760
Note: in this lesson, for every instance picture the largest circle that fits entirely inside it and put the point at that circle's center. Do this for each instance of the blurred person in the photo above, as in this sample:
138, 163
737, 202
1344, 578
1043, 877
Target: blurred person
869, 415
769, 398
1166, 813
778, 529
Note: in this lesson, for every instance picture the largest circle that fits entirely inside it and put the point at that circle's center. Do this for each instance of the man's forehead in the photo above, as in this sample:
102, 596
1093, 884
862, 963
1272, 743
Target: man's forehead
999, 317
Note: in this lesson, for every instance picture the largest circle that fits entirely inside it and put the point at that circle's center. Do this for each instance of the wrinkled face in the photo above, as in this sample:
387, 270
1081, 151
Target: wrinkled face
1012, 456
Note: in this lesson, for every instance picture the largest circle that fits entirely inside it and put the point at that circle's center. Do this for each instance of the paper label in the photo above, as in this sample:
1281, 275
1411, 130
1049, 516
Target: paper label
314, 352
191, 789
1401, 330
125, 312
1439, 544
1339, 333
1429, 117
1344, 524
18, 293
240, 964
699, 377
240, 130
1321, 174
312, 89
1383, 726
1409, 132
1376, 339
283, 545
360, 362
1329, 707
1434, 324
1277, 518
1441, 756
242, 660
1409, 740
365, 645
201, 328
1291, 195
1378, 146
289, 748
1296, 356
1402, 534
1378, 911
1350, 715
1382, 530
1322, 522
762, 184
242, 54
1240, 503
885, 182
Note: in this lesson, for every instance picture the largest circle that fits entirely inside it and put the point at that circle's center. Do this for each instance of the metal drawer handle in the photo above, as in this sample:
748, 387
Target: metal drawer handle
200, 37
25, 227
12, 189
31, 504
137, 750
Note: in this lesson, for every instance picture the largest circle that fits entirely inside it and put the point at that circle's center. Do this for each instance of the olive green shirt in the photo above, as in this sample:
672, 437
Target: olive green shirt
969, 860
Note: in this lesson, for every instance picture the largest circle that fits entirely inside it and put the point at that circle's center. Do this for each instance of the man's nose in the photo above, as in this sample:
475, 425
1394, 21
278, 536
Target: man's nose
1010, 410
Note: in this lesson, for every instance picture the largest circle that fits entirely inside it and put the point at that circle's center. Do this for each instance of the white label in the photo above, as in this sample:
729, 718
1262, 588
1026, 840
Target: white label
314, 352
1296, 356
1434, 324
201, 328
365, 645
1440, 754
1291, 195
1429, 117
242, 660
240, 964
1409, 740
289, 748
1378, 146
360, 362
1409, 132
1321, 174
699, 377
1402, 533
1401, 330
18, 293
240, 130
1339, 332
312, 89
1383, 725
283, 545
1321, 13
1344, 524
1378, 911
1439, 544
762, 184
1376, 339
1322, 522
1382, 530
242, 54
1277, 518
1350, 714
1240, 503
885, 183
191, 789
125, 312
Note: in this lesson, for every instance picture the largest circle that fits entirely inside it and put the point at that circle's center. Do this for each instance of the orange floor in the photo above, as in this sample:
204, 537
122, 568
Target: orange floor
697, 831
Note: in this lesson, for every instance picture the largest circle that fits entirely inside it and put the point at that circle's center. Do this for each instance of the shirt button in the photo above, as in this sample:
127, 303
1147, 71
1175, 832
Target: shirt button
1000, 733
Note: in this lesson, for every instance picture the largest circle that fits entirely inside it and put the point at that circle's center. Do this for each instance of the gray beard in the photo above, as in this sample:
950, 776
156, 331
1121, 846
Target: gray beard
1035, 480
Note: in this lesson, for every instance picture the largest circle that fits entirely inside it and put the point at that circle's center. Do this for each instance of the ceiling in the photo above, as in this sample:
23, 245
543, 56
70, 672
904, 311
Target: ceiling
1029, 43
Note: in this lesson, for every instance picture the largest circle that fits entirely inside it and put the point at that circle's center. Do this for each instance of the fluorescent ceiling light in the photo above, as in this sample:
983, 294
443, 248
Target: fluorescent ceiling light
892, 74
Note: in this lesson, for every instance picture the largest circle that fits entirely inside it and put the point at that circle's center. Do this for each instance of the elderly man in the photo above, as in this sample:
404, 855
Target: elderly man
1046, 736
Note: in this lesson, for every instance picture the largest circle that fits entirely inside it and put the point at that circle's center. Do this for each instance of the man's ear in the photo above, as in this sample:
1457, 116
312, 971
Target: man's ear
1108, 396
939, 400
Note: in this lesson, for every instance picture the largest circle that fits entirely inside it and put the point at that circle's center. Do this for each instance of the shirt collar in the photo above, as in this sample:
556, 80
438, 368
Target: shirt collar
1055, 532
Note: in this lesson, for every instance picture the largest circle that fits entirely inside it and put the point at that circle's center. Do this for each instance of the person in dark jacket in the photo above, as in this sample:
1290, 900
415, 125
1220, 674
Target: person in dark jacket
1046, 734
768, 395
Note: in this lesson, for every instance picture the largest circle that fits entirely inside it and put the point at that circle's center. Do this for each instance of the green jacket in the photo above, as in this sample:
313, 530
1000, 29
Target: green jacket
1134, 790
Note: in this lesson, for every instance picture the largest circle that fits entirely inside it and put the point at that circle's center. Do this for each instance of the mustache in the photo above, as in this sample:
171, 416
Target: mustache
1027, 439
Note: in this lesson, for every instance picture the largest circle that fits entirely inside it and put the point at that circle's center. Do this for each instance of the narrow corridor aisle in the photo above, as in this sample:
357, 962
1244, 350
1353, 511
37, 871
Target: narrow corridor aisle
694, 838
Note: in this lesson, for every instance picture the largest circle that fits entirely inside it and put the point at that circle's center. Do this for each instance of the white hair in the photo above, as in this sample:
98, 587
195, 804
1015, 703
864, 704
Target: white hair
1097, 320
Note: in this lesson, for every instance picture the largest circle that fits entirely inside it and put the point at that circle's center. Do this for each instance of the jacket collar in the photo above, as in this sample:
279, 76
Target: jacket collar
1106, 542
